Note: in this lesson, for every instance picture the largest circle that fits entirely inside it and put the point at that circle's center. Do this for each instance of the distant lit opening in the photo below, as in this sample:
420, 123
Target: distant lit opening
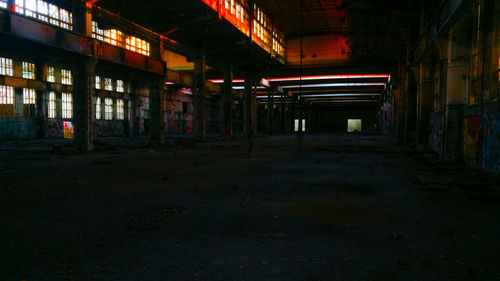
354, 125
297, 125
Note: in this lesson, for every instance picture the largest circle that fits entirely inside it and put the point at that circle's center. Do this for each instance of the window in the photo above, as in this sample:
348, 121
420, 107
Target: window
108, 109
28, 70
120, 109
137, 45
97, 33
354, 125
29, 96
52, 105
98, 114
66, 77
117, 38
3, 4
113, 37
51, 75
119, 86
6, 67
297, 123
6, 95
67, 106
108, 84
44, 11
98, 82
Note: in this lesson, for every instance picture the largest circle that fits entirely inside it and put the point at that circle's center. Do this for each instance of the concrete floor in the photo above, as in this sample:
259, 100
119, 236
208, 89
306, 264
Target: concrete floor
347, 208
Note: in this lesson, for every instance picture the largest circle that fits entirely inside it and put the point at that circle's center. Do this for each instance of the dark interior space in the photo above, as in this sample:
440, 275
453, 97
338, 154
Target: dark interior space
302, 140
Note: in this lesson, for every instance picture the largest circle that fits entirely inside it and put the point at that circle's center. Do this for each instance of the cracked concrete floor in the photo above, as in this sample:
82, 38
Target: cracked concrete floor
346, 208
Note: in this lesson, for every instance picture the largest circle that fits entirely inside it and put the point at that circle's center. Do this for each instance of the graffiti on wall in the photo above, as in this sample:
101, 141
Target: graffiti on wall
482, 141
54, 129
17, 128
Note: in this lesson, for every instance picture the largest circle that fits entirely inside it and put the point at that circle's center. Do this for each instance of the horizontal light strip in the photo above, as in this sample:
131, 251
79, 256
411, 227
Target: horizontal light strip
333, 85
265, 97
220, 81
330, 77
243, 87
316, 77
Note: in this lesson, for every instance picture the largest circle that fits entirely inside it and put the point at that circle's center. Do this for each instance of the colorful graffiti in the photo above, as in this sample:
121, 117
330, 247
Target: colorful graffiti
55, 129
69, 130
481, 144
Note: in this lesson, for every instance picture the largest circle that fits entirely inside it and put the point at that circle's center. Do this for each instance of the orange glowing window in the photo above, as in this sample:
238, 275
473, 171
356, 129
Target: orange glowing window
137, 45
113, 37
28, 70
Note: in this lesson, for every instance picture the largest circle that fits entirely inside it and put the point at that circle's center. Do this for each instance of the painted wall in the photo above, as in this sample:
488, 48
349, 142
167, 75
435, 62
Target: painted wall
17, 128
481, 144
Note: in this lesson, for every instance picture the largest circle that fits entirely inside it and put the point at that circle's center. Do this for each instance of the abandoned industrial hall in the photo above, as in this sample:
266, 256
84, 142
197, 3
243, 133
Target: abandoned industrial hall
302, 140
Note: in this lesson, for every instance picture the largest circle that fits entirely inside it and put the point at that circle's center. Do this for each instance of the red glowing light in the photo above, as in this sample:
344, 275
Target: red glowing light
330, 77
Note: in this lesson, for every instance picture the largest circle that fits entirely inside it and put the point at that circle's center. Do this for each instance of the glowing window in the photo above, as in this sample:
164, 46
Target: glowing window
120, 109
29, 96
297, 125
3, 4
6, 95
108, 109
119, 86
52, 105
44, 11
98, 114
6, 67
98, 82
354, 125
113, 37
51, 75
97, 33
137, 45
67, 106
66, 77
28, 70
108, 84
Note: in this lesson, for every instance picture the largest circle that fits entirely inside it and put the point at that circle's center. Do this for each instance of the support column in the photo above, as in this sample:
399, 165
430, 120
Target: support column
41, 102
83, 91
200, 95
282, 114
84, 84
228, 102
270, 109
157, 135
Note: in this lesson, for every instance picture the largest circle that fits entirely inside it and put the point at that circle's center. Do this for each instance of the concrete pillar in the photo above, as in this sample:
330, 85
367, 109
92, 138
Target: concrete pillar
228, 102
83, 91
156, 93
270, 109
282, 114
200, 92
84, 84
41, 102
